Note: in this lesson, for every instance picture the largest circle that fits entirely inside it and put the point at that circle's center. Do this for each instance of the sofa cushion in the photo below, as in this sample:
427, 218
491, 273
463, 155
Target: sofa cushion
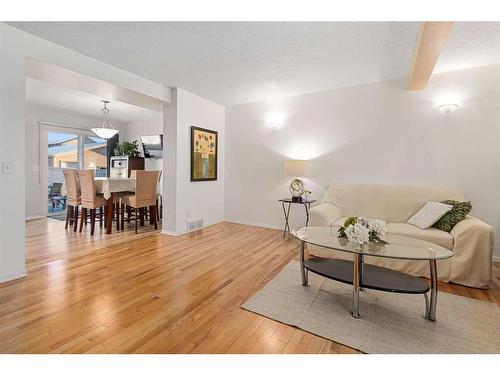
459, 212
429, 214
433, 235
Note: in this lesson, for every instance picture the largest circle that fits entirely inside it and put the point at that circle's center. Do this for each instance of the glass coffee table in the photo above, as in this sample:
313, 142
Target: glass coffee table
361, 275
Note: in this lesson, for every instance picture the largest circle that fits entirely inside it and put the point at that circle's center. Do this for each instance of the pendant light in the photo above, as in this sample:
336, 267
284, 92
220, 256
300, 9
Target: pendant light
106, 130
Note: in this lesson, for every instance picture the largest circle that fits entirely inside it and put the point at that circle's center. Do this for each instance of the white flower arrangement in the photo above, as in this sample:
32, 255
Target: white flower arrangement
360, 230
358, 233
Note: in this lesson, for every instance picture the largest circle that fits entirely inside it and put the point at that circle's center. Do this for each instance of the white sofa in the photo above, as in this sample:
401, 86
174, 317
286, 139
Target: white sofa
471, 240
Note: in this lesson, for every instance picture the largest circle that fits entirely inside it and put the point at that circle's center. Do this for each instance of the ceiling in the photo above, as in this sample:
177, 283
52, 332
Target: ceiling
43, 94
238, 62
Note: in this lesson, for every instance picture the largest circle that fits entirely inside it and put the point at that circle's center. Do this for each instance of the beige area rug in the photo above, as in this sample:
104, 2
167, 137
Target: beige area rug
389, 323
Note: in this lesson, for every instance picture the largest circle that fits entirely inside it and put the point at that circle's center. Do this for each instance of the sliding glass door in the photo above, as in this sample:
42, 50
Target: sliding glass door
63, 150
68, 148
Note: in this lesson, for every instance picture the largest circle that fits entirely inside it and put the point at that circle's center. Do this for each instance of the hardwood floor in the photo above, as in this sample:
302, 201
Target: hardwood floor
154, 293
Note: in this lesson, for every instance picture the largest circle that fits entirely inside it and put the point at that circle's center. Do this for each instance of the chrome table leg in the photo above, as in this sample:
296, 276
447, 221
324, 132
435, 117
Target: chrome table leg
426, 305
355, 287
303, 271
431, 312
361, 271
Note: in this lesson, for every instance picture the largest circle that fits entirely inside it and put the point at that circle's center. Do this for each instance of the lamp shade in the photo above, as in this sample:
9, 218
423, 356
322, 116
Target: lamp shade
297, 168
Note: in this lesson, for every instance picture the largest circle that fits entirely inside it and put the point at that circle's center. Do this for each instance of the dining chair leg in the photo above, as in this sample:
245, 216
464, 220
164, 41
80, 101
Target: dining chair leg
117, 216
75, 219
92, 221
109, 214
129, 214
101, 209
82, 219
135, 216
141, 215
122, 215
151, 219
72, 217
155, 213
68, 216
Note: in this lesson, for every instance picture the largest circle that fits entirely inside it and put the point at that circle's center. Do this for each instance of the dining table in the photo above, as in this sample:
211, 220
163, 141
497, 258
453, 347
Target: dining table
109, 187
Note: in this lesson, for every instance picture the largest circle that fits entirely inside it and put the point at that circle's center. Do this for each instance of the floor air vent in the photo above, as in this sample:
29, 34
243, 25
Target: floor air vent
194, 225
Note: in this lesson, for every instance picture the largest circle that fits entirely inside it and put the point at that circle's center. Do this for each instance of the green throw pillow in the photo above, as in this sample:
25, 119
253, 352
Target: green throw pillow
459, 211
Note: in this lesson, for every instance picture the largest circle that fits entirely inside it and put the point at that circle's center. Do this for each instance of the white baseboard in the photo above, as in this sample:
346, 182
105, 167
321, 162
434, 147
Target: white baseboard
270, 226
171, 233
34, 217
13, 277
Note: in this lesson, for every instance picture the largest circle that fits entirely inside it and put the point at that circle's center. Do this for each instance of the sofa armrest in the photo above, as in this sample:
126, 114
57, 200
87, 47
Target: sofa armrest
323, 215
472, 253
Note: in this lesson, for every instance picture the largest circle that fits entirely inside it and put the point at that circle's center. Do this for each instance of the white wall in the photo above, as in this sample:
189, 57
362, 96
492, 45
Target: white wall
15, 47
194, 200
378, 133
34, 114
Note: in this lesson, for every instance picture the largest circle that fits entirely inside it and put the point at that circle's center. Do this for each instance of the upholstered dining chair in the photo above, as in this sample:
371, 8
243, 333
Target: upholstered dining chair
159, 201
89, 199
146, 183
73, 200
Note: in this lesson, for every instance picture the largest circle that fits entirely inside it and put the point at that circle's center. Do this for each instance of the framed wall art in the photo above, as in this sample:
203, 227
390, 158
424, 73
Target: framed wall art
203, 154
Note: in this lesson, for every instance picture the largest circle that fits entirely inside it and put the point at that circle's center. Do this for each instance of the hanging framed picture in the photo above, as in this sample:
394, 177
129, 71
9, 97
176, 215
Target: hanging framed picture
203, 154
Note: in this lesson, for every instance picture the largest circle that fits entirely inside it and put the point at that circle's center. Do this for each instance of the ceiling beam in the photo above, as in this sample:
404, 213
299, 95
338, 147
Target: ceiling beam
430, 42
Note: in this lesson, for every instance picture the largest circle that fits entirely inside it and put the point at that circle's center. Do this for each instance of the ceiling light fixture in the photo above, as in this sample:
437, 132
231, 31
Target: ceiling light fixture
448, 107
106, 131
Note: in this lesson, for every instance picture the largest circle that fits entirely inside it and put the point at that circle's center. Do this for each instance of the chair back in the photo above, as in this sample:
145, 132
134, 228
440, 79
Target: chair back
72, 191
146, 183
55, 189
87, 185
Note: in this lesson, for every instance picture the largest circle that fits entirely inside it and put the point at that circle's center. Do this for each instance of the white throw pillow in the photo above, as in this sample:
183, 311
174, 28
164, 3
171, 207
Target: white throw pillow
429, 214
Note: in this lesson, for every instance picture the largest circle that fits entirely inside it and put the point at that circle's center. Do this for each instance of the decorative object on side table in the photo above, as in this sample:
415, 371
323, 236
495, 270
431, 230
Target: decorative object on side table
361, 230
297, 168
203, 154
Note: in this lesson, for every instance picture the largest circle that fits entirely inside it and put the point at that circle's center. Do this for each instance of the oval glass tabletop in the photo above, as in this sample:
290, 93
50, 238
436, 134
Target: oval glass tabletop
397, 247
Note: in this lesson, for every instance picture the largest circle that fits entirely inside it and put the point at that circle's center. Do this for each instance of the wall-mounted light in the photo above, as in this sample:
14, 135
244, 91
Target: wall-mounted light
450, 107
275, 120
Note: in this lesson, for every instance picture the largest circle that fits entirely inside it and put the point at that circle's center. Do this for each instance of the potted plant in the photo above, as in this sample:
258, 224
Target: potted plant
127, 149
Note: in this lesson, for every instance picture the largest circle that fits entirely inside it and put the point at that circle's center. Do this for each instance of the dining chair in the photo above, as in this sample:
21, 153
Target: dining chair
55, 196
146, 183
73, 199
89, 199
141, 213
159, 202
